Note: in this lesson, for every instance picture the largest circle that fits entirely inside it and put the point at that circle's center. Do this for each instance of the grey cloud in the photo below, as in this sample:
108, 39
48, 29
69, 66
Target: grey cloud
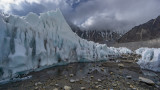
116, 14
28, 7
97, 14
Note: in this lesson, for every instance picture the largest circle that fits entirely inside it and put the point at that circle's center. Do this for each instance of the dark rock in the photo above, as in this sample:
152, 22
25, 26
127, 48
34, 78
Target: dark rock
146, 31
129, 77
100, 36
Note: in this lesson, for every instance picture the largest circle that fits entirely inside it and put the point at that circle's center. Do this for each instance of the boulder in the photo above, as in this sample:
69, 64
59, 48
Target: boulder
146, 80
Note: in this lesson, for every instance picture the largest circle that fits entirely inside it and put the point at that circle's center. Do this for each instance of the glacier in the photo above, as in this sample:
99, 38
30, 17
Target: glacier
150, 58
35, 41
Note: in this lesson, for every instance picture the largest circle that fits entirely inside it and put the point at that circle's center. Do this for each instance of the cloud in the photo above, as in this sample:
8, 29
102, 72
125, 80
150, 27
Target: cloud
115, 14
27, 7
6, 5
119, 15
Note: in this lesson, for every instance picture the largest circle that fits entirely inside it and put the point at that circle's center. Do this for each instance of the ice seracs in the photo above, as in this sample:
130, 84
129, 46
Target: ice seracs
150, 58
32, 41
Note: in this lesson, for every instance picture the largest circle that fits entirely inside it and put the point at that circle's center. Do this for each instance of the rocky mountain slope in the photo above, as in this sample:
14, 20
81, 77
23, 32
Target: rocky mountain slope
146, 31
99, 36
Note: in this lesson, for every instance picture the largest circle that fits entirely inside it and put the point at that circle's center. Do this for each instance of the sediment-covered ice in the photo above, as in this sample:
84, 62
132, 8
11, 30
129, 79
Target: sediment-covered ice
150, 58
32, 41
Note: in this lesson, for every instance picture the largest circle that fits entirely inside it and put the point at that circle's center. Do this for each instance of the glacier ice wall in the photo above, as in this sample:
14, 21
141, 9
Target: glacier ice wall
150, 58
32, 41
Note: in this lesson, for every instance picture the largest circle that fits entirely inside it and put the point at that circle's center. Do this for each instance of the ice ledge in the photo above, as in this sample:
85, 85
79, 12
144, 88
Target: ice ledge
150, 58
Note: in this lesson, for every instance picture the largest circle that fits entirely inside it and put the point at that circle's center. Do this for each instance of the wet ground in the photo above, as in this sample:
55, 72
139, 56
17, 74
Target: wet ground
116, 74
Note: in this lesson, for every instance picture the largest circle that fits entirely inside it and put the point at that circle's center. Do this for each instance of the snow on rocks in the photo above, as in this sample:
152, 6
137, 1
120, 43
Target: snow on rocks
150, 58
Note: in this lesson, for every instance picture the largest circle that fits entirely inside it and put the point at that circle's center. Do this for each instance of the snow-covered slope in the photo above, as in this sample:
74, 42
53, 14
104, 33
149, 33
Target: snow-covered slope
32, 41
150, 58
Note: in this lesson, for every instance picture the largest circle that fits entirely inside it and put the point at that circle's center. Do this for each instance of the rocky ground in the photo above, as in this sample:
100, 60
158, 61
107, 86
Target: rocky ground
116, 74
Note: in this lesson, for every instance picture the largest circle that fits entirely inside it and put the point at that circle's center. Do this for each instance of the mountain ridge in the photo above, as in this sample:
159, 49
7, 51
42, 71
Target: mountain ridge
147, 31
98, 36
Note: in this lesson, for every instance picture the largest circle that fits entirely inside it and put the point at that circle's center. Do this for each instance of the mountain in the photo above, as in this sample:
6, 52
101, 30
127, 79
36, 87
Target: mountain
99, 36
146, 31
34, 42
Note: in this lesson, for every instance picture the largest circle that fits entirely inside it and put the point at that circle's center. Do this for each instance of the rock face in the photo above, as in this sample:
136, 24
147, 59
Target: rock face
99, 36
146, 31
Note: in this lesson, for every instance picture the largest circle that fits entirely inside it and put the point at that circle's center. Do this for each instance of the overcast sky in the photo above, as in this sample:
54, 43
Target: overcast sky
91, 14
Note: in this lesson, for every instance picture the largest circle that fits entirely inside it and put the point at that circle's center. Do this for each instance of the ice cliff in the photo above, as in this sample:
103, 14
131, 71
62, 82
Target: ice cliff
32, 41
150, 58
